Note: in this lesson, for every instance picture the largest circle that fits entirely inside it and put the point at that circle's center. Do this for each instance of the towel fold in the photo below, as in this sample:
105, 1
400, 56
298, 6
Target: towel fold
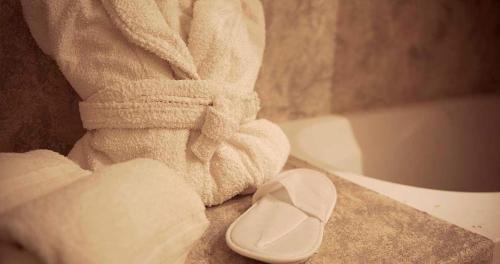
27, 176
138, 211
168, 80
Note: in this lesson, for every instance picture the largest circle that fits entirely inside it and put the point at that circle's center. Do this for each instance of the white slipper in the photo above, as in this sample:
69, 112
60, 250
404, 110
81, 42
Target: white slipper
286, 221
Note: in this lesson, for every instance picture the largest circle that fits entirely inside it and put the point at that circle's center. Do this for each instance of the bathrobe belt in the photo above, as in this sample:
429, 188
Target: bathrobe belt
217, 117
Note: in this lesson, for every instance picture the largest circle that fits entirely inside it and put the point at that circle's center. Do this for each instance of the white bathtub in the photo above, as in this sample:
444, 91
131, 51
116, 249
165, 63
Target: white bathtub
440, 157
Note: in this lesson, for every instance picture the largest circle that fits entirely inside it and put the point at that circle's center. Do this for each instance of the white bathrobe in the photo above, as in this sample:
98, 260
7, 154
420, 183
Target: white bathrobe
169, 80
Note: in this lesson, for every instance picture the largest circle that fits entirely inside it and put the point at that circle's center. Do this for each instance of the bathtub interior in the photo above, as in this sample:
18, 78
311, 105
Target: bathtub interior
439, 157
446, 145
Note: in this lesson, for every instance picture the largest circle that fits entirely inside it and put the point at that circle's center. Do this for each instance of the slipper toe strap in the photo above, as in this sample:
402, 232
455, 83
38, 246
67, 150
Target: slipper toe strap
310, 191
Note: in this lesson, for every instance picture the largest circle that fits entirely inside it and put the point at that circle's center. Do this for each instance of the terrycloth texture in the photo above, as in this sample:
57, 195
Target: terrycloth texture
26, 176
138, 211
169, 80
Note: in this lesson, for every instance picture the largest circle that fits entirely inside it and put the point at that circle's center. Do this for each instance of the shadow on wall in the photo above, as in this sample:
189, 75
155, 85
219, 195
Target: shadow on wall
38, 107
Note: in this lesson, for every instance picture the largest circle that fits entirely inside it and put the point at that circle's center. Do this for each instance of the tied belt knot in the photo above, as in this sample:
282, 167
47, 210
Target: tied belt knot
218, 117
222, 121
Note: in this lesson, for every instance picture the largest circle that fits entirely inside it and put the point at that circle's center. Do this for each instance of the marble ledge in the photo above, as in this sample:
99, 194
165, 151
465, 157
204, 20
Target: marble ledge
366, 227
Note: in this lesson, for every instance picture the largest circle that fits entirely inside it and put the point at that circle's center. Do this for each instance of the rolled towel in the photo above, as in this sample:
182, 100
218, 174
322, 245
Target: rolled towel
133, 212
168, 80
27, 176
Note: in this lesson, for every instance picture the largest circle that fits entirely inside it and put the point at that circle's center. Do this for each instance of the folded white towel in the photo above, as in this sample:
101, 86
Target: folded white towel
133, 212
27, 176
168, 80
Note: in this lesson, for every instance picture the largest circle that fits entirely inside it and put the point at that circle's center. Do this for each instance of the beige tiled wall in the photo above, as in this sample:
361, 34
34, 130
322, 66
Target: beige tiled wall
328, 56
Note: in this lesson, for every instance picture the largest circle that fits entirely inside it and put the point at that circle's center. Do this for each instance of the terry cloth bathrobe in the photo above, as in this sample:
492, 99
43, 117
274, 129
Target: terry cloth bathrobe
171, 80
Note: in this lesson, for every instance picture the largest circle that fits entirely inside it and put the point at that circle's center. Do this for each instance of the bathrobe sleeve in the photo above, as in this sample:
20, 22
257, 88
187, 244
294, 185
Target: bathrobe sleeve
149, 72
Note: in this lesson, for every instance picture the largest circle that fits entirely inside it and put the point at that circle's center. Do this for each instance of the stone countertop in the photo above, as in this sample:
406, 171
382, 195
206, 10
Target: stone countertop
366, 227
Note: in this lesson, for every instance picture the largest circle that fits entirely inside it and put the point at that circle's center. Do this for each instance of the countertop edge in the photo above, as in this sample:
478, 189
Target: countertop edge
480, 252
